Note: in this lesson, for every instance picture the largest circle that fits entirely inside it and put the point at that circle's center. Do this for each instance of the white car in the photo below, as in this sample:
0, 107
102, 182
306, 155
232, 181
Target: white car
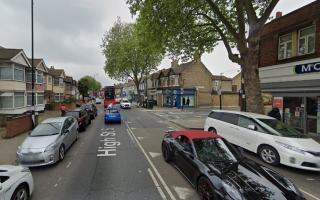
125, 103
16, 182
274, 141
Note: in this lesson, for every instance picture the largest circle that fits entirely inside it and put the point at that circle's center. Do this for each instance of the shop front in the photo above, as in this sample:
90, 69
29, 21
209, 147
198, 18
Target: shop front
295, 88
179, 98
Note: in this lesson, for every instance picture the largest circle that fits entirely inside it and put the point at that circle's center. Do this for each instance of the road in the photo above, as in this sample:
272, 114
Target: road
133, 167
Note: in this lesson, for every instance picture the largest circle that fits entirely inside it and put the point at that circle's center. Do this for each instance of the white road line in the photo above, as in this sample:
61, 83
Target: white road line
132, 128
69, 164
153, 166
130, 136
55, 185
310, 195
163, 196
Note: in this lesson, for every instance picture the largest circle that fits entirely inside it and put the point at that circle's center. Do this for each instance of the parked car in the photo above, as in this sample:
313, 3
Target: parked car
274, 141
48, 142
112, 115
91, 109
16, 182
124, 103
219, 171
98, 100
82, 117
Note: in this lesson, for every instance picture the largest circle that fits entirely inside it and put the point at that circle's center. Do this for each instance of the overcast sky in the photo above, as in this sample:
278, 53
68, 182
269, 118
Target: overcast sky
68, 33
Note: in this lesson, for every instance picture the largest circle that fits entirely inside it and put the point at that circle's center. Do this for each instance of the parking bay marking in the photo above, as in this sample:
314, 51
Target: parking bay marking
163, 196
153, 167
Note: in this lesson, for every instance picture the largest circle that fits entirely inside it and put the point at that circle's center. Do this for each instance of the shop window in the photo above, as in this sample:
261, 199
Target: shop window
6, 73
6, 100
285, 46
307, 40
18, 99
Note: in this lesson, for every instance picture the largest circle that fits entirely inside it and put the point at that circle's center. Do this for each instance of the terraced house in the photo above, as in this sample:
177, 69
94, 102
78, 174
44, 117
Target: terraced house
13, 66
58, 89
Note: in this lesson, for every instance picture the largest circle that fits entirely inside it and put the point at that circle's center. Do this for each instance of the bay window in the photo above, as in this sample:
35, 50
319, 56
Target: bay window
307, 40
29, 99
19, 99
6, 100
6, 73
40, 98
285, 46
39, 77
18, 73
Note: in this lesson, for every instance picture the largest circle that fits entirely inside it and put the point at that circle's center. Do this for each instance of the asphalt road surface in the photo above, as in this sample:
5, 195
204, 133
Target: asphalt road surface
124, 161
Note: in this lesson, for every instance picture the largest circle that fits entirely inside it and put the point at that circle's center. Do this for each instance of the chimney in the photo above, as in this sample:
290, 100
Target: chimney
278, 14
174, 63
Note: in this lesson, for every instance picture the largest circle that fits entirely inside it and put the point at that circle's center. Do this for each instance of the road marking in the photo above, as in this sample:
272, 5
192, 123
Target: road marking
130, 136
154, 154
153, 167
310, 195
108, 144
129, 122
163, 196
56, 185
182, 192
69, 164
140, 138
132, 128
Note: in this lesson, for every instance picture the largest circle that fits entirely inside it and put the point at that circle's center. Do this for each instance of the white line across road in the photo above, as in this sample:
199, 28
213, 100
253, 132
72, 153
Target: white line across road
172, 197
163, 196
310, 195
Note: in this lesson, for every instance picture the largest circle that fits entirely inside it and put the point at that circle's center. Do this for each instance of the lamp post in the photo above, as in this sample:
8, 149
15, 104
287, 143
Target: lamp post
220, 91
32, 71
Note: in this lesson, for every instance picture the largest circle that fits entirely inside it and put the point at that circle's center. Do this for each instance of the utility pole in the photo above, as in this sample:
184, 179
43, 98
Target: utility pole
220, 91
32, 71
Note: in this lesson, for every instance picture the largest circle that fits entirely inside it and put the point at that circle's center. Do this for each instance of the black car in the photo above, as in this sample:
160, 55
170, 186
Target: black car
91, 109
219, 171
82, 116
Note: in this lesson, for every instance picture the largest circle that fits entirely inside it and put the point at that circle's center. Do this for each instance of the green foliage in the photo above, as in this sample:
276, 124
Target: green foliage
128, 52
88, 84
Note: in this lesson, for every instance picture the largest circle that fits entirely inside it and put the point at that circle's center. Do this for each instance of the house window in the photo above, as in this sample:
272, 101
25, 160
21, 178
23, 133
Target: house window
6, 73
6, 100
60, 81
39, 77
18, 73
28, 76
55, 82
18, 99
61, 97
307, 40
40, 98
29, 99
56, 97
285, 46
49, 80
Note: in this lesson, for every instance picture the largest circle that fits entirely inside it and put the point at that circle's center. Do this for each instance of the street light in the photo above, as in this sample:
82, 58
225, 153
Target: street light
220, 91
32, 71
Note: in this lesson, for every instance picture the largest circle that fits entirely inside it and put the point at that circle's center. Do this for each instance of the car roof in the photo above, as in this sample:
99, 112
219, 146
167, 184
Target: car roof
55, 119
195, 134
248, 114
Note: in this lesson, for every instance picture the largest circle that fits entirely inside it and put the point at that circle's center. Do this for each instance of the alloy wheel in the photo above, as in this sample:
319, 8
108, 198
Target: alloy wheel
268, 156
205, 190
21, 194
61, 153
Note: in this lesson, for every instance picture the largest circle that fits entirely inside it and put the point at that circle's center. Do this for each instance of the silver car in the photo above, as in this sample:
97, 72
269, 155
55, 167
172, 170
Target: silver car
48, 142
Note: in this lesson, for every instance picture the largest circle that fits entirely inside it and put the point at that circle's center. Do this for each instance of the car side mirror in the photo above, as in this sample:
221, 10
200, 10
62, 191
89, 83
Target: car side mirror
66, 131
252, 127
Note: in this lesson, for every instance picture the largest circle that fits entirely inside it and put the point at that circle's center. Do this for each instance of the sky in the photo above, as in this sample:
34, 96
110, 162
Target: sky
68, 34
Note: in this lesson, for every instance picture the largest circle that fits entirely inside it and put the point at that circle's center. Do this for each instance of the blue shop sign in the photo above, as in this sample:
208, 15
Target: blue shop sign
307, 68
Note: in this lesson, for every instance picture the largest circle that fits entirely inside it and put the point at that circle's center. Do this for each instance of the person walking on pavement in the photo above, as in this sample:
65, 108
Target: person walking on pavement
275, 113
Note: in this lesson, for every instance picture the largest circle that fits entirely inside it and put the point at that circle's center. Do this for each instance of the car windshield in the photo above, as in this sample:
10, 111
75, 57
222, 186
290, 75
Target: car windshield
215, 150
113, 111
72, 114
282, 129
46, 129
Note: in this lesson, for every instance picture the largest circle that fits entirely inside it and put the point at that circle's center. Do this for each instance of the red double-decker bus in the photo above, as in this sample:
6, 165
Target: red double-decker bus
109, 96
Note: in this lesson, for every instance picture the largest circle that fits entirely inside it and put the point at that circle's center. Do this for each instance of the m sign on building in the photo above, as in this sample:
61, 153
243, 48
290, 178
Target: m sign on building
307, 68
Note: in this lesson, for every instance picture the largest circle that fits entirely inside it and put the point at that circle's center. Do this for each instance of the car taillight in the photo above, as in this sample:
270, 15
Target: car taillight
81, 119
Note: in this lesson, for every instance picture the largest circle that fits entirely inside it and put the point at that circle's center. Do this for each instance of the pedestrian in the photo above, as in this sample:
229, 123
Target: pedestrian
63, 109
188, 101
183, 101
275, 113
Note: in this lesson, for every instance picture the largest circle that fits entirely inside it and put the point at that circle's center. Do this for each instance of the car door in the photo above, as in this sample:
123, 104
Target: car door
66, 133
73, 128
228, 127
251, 138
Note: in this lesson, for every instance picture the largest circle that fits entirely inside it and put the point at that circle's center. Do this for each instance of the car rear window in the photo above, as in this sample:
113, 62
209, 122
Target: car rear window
72, 114
230, 118
215, 115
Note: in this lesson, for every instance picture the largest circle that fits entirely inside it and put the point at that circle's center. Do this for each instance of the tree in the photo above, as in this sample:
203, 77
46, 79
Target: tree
88, 84
129, 53
186, 27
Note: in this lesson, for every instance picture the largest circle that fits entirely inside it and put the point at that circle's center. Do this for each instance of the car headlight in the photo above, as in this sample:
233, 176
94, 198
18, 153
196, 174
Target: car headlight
19, 149
290, 147
51, 147
231, 190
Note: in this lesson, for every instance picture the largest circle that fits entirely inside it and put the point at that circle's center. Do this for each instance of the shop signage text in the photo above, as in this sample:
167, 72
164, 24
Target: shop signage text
307, 68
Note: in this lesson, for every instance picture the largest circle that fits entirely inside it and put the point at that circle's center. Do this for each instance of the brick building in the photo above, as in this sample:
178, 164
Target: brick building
290, 66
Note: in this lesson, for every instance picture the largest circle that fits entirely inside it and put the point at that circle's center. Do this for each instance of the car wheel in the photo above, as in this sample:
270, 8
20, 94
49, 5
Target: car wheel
166, 153
89, 122
269, 155
77, 136
61, 152
205, 189
21, 193
212, 130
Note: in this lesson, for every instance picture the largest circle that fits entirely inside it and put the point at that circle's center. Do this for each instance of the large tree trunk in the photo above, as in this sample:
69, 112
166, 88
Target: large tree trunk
251, 77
